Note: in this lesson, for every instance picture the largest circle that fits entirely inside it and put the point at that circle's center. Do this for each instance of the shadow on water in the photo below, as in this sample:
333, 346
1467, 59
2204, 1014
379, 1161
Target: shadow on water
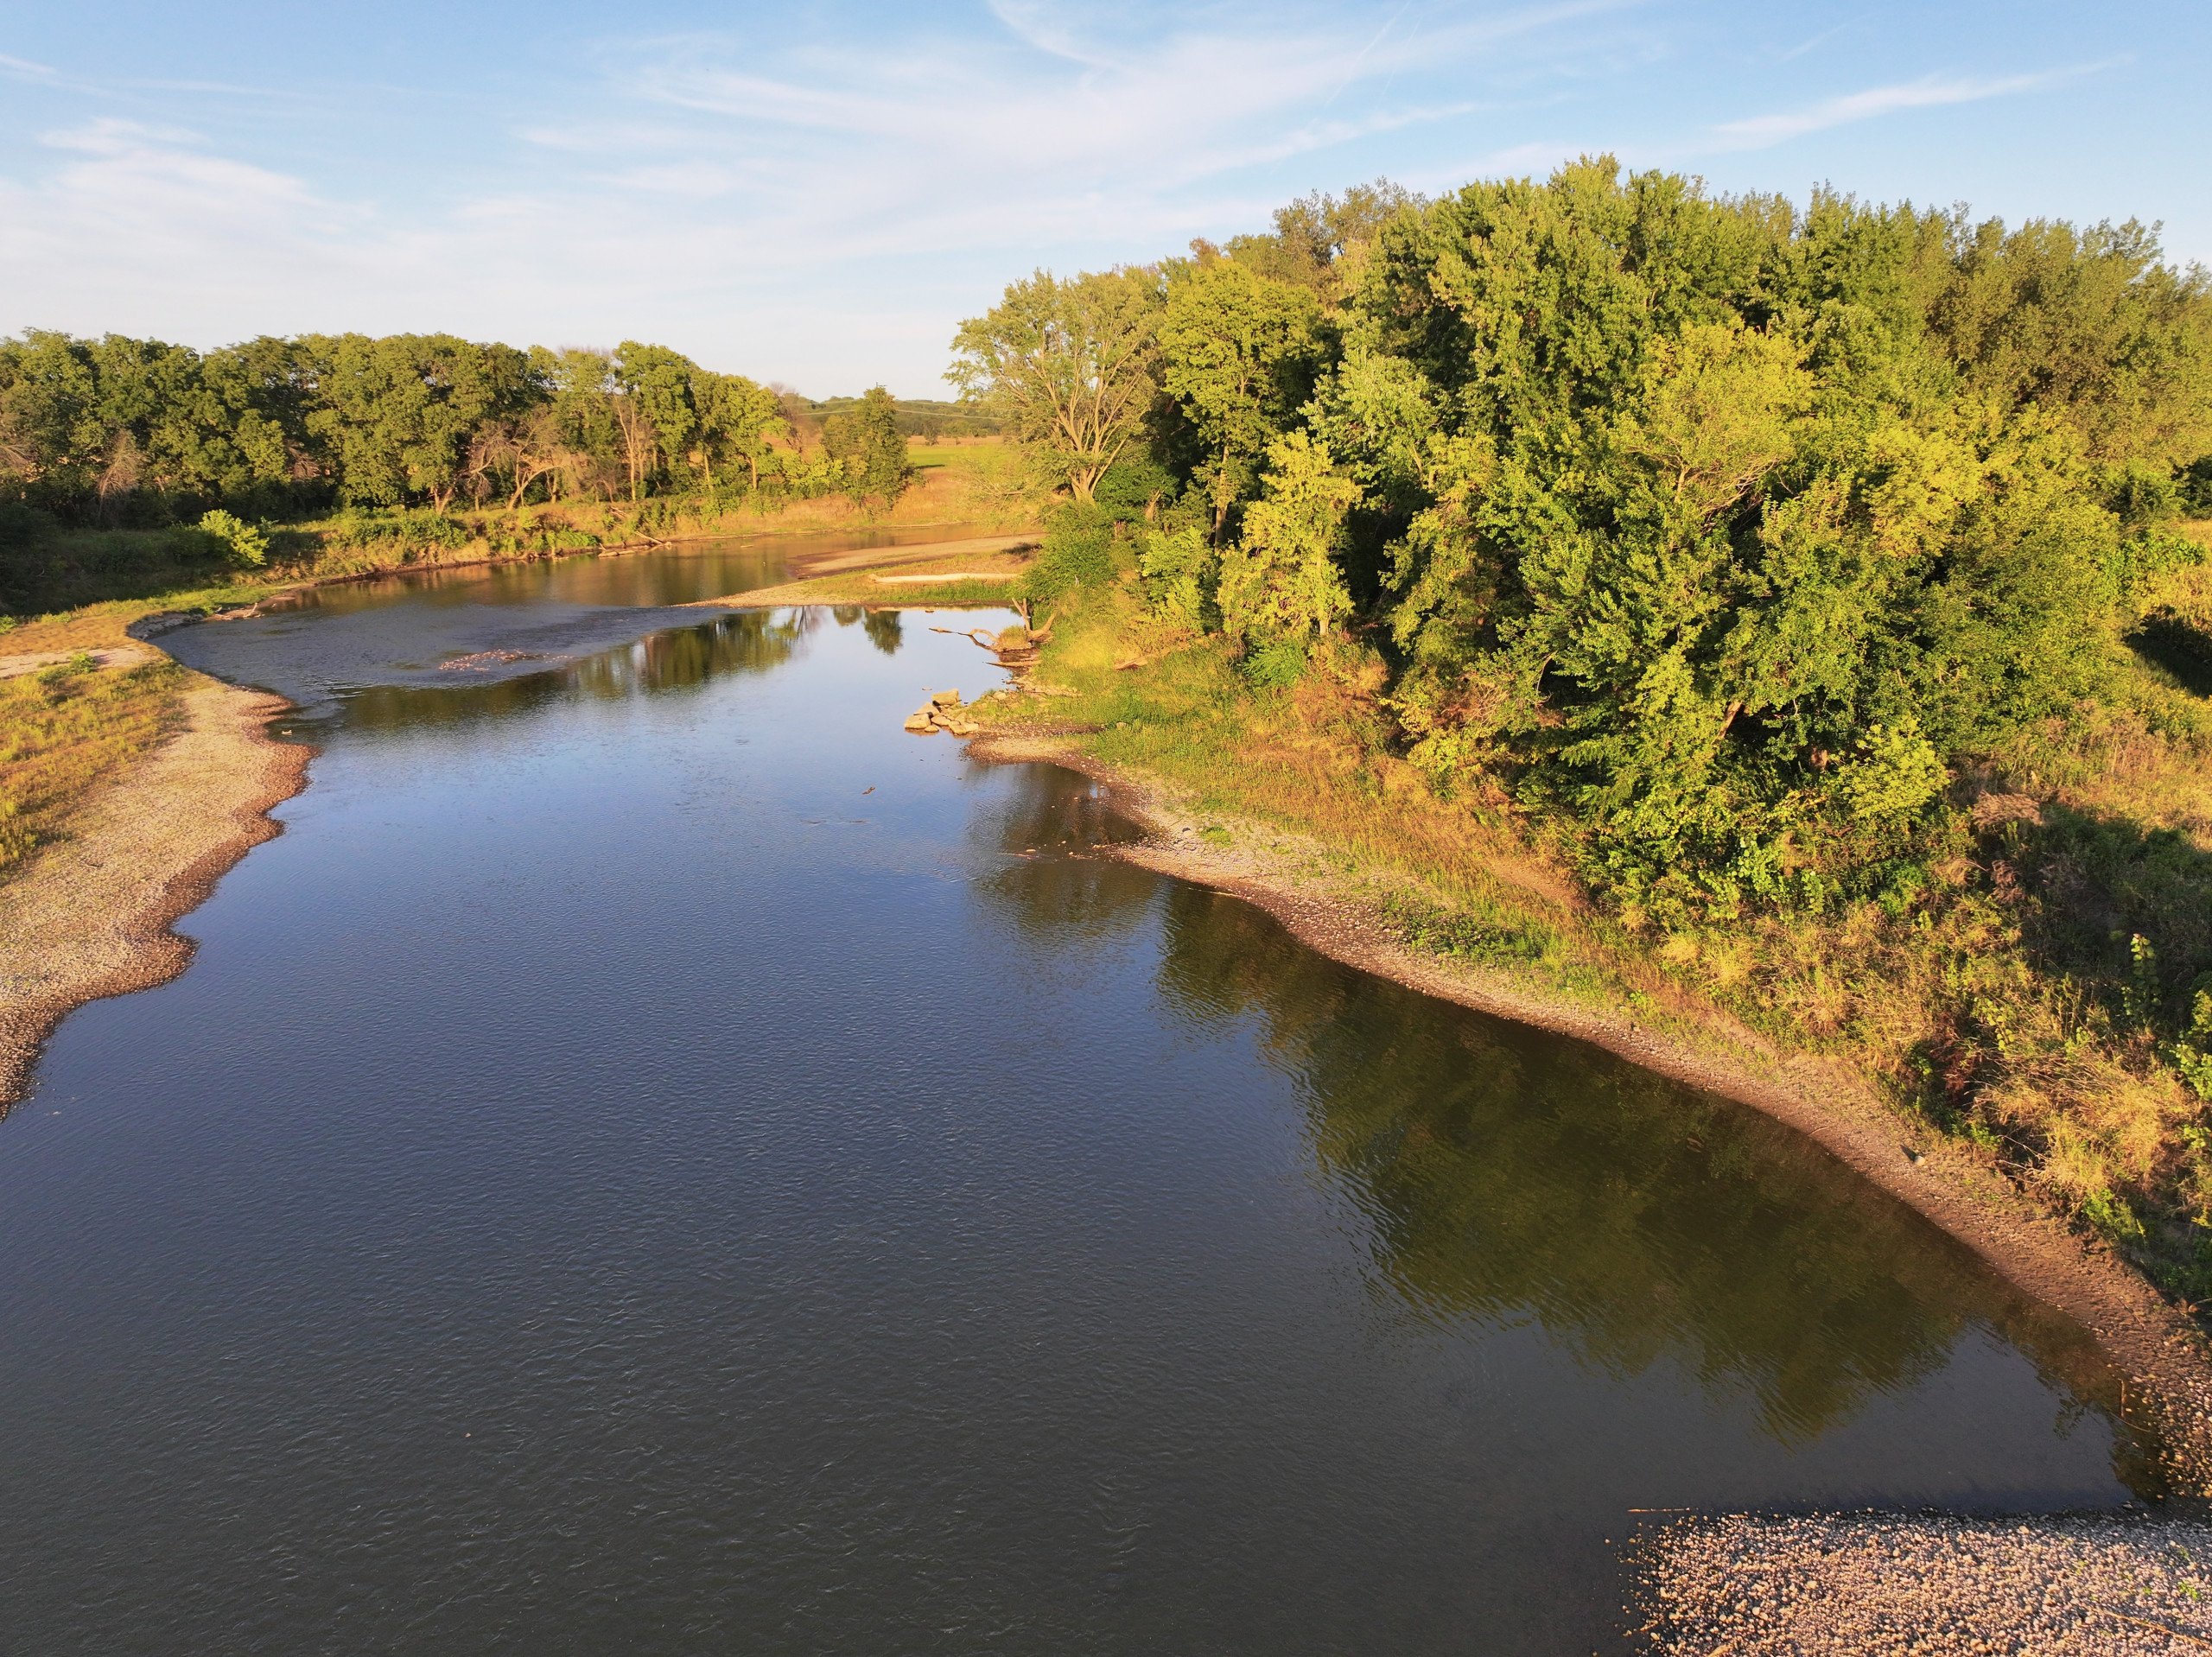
1510, 1177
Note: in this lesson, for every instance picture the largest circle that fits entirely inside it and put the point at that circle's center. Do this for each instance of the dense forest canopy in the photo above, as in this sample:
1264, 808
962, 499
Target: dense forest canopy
1722, 527
134, 432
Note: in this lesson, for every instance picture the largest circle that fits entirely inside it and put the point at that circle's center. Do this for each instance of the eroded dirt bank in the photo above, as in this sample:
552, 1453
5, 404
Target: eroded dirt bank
91, 916
2166, 1362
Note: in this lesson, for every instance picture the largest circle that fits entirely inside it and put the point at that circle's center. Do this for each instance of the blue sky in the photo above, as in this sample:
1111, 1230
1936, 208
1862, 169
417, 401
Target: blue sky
818, 193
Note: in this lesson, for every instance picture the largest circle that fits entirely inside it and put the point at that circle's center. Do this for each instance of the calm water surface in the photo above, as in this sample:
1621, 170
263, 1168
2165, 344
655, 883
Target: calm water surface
656, 1158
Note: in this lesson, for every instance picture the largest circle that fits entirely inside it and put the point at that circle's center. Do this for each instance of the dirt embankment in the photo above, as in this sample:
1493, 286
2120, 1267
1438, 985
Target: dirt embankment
2166, 1361
92, 915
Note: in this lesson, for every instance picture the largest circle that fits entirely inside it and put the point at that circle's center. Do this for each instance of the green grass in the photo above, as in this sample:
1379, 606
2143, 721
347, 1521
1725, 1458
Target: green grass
988, 455
65, 730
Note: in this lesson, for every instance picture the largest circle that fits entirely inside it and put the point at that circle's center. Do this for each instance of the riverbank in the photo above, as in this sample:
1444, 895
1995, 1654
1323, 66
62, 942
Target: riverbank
1352, 912
93, 914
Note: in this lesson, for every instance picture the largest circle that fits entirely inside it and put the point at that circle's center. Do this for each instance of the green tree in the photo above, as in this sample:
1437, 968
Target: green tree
1319, 240
1237, 352
1281, 582
398, 414
1068, 364
866, 443
739, 421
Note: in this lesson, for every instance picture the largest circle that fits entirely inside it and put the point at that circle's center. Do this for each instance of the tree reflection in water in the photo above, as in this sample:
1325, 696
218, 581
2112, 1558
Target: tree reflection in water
1055, 882
885, 629
743, 641
1512, 1176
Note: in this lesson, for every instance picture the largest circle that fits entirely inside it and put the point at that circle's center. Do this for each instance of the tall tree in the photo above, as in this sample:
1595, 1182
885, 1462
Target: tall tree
660, 385
865, 443
1068, 363
1238, 352
741, 419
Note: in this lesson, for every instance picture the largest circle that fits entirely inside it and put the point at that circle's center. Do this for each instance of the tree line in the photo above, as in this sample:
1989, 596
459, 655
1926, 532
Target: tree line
125, 432
1720, 529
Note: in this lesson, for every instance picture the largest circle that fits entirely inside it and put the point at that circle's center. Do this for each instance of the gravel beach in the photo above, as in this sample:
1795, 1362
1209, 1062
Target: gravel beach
1861, 1584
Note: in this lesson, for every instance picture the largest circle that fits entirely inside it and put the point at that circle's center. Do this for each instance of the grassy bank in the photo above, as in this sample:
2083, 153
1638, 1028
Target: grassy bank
2001, 1000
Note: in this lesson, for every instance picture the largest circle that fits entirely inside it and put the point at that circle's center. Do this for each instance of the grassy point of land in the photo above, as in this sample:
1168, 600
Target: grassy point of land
67, 729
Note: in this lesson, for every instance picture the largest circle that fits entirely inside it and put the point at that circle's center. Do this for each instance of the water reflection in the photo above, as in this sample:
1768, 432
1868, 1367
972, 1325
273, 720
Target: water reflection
682, 658
1510, 1177
1056, 884
885, 628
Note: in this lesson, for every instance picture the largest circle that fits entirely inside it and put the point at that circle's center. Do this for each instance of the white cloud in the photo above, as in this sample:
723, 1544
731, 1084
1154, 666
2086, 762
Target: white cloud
1763, 131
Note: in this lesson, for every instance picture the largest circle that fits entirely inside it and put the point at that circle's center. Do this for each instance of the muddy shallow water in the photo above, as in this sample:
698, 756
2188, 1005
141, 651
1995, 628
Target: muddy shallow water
657, 1158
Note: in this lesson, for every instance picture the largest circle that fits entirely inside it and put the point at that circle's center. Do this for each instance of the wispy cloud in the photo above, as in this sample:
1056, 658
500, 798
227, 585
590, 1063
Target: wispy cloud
25, 69
1814, 44
1763, 131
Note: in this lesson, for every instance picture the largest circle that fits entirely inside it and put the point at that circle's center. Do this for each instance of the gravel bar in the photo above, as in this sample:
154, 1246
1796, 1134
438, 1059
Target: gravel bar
1861, 1583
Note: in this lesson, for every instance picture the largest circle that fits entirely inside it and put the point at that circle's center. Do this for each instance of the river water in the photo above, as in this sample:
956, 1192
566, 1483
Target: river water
657, 1158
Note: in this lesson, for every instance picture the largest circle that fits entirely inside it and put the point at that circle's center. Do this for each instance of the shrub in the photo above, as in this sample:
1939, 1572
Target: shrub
1079, 551
245, 544
1179, 570
1275, 665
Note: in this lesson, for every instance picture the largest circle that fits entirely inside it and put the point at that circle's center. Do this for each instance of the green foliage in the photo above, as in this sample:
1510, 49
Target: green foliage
1280, 580
1749, 510
1180, 571
1077, 552
1067, 365
1238, 355
867, 445
1719, 531
2192, 1053
1319, 240
1135, 488
1275, 665
245, 544
1894, 773
119, 432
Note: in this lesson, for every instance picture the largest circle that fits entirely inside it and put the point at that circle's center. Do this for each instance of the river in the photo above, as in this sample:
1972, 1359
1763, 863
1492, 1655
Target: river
655, 1157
